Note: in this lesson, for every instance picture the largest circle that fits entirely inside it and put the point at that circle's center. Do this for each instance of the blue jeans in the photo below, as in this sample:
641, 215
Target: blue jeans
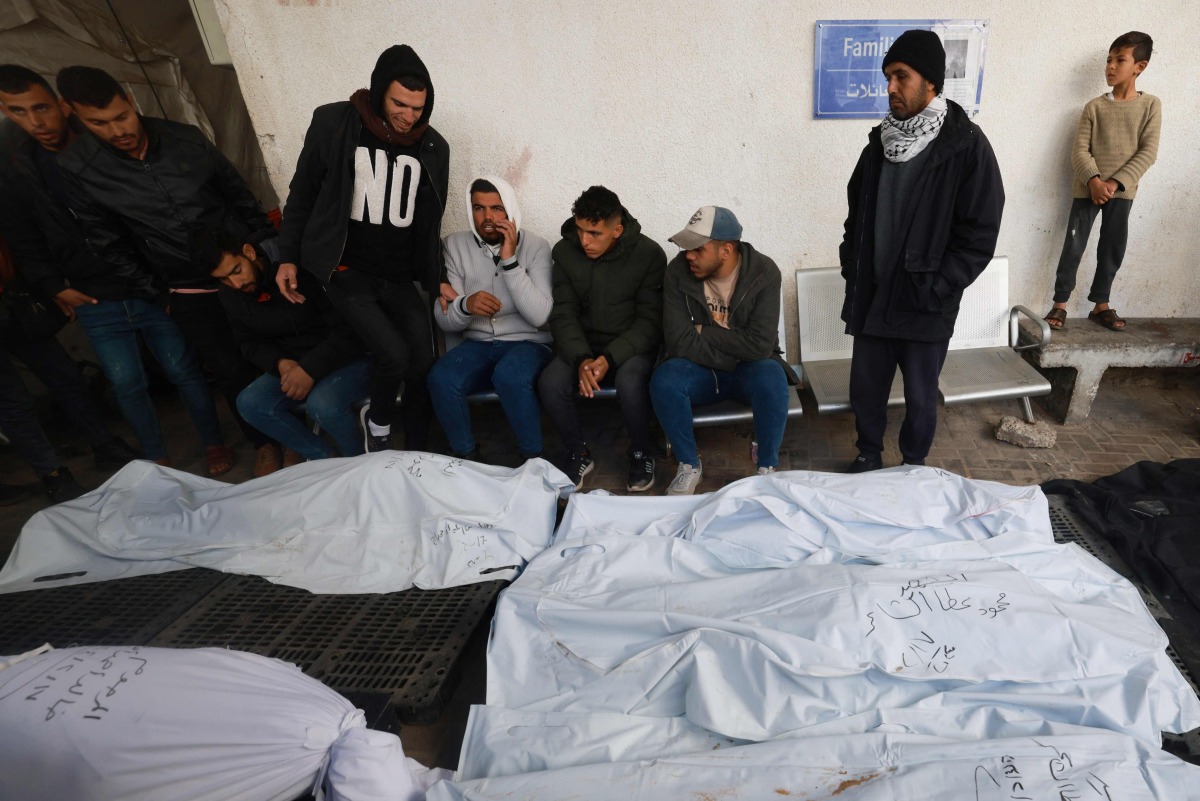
511, 368
680, 384
113, 327
330, 404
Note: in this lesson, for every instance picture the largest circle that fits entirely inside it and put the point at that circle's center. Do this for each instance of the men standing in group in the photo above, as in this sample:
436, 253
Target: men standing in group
607, 325
925, 204
306, 351
114, 303
500, 275
143, 189
364, 216
721, 340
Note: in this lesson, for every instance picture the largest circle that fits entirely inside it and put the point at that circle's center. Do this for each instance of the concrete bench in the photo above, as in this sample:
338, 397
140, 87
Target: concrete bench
1075, 360
982, 364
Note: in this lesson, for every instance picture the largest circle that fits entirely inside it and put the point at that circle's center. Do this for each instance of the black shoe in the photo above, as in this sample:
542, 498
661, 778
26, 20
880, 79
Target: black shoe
641, 472
114, 454
914, 462
865, 463
371, 442
14, 493
578, 466
61, 486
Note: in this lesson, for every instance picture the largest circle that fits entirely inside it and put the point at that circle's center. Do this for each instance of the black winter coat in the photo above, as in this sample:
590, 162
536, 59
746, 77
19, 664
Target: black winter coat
50, 248
147, 214
317, 214
268, 327
953, 221
611, 305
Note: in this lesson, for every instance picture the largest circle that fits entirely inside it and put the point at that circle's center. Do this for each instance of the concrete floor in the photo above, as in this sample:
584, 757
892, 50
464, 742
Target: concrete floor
1137, 416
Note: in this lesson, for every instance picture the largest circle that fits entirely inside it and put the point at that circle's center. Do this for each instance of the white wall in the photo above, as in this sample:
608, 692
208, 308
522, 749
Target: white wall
682, 104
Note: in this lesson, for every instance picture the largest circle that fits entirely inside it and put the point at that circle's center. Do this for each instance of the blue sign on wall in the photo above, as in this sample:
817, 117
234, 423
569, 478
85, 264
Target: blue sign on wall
848, 75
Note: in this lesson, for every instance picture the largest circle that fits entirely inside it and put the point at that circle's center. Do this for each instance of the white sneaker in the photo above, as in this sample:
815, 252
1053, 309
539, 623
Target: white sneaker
764, 471
687, 478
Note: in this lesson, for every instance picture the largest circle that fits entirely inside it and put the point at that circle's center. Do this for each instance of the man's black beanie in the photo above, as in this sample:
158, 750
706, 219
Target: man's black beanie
923, 51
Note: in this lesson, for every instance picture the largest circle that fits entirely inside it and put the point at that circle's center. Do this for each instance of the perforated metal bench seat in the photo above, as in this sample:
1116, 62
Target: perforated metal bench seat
828, 384
982, 363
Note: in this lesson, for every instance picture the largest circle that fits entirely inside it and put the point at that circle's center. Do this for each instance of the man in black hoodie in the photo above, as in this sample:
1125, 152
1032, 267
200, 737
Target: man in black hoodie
364, 216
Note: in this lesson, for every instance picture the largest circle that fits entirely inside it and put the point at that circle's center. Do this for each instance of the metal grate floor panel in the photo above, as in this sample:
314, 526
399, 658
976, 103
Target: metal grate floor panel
127, 611
401, 644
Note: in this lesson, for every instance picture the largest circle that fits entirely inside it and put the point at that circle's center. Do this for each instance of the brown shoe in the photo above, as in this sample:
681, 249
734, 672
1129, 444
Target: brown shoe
291, 458
267, 459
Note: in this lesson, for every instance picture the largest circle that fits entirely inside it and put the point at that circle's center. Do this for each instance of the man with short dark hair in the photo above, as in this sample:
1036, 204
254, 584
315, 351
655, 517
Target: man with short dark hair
500, 273
143, 190
721, 340
306, 351
925, 204
607, 327
113, 305
364, 216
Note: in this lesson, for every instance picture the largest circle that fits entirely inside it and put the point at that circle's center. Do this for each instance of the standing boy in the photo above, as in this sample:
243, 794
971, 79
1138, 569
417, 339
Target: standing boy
1116, 141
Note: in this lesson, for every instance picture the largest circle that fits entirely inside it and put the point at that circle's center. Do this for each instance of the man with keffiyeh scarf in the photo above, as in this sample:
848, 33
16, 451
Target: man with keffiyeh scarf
925, 204
364, 216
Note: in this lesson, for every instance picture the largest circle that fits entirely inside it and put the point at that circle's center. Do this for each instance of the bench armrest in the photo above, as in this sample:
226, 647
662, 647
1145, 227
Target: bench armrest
1014, 329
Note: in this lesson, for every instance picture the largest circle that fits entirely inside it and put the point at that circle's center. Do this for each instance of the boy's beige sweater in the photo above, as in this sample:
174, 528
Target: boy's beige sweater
1116, 139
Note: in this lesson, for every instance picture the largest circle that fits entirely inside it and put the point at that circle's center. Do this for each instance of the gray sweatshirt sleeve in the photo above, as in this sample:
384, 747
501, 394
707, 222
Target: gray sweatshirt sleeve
456, 317
530, 281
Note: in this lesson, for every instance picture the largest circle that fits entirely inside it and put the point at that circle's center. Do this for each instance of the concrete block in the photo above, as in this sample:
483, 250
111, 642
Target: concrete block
1027, 435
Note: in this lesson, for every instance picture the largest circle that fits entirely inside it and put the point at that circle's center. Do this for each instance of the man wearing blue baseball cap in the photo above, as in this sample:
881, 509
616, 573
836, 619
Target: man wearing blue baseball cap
925, 204
720, 326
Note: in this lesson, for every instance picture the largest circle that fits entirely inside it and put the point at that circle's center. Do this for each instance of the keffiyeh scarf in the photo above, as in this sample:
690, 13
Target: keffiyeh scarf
903, 139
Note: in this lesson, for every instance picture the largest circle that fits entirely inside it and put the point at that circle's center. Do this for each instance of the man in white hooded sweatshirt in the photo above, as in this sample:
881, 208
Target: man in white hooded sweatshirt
501, 283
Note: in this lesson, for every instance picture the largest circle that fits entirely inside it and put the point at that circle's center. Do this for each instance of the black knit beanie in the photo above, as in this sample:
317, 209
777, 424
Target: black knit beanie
923, 51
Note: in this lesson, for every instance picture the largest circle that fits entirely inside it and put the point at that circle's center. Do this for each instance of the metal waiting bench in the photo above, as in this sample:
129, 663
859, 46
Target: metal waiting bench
983, 362
716, 414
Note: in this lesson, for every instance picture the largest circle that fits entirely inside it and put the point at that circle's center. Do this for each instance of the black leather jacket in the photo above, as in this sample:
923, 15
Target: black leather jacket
150, 212
49, 246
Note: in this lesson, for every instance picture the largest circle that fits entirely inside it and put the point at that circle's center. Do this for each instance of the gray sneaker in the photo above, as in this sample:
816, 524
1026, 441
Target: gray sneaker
687, 478
764, 471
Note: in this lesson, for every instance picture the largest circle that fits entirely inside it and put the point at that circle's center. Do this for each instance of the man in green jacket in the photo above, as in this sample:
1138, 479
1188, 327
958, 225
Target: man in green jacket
607, 325
721, 326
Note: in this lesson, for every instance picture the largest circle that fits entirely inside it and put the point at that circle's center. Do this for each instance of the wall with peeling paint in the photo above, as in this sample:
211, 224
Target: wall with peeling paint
682, 104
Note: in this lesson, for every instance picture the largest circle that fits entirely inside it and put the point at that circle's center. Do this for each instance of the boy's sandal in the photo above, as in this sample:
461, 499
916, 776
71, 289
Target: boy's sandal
1109, 319
220, 459
1056, 319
